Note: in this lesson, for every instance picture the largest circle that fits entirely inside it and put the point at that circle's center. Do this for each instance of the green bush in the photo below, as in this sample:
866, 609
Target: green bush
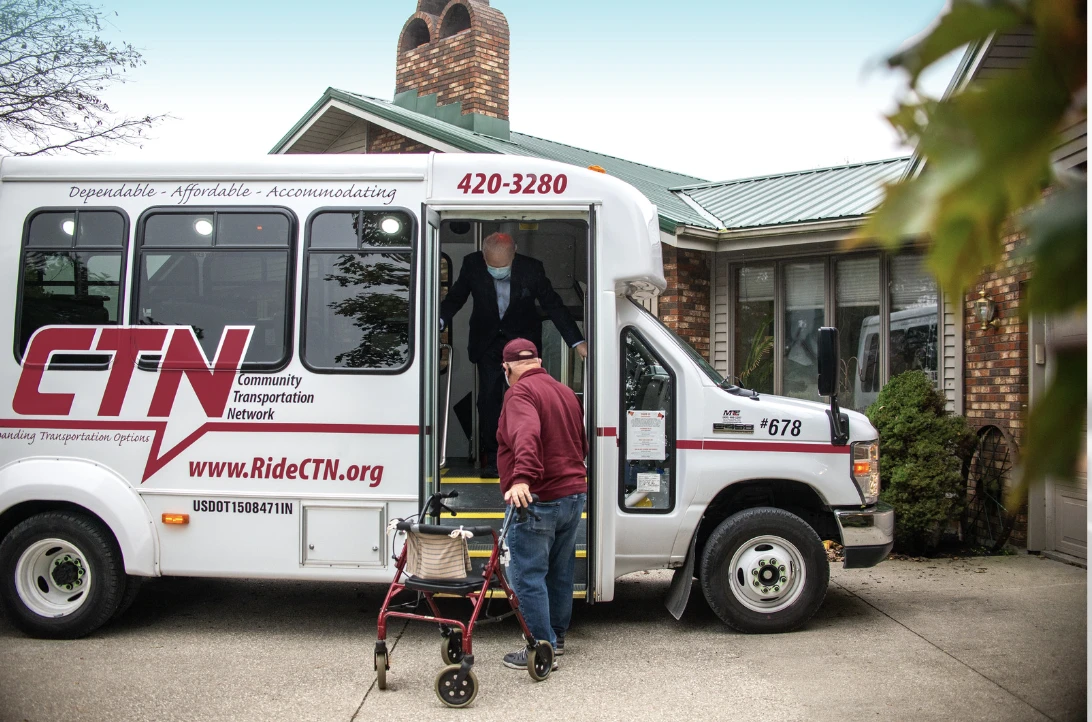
922, 451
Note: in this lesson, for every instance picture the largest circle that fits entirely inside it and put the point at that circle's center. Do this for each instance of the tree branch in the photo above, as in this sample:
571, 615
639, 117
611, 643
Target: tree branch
53, 67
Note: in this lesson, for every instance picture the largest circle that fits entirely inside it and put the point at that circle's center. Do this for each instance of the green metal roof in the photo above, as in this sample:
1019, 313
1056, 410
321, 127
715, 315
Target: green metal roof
654, 183
847, 191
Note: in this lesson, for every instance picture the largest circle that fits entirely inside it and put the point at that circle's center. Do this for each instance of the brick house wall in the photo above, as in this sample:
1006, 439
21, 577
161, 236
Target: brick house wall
470, 66
996, 360
382, 140
686, 305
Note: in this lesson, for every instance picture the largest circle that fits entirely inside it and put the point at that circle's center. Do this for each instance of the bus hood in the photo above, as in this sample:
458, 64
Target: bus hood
765, 417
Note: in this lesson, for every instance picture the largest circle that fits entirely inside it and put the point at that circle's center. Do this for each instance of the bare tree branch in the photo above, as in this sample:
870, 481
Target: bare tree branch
53, 69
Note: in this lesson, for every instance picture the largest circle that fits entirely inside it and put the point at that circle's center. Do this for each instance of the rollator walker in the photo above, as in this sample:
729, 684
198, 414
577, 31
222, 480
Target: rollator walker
435, 560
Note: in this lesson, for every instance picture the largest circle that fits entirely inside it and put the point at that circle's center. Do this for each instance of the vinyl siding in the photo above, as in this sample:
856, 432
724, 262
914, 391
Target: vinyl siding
951, 356
1007, 52
353, 140
721, 313
1074, 146
324, 132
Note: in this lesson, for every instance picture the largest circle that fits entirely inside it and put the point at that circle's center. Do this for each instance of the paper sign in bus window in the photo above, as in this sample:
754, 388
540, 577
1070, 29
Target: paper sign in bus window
649, 481
645, 435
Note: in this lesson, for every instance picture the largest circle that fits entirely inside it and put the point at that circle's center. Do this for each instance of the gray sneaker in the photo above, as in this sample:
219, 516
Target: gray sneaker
518, 660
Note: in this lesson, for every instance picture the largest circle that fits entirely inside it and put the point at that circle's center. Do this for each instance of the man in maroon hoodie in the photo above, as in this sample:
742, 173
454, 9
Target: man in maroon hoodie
541, 447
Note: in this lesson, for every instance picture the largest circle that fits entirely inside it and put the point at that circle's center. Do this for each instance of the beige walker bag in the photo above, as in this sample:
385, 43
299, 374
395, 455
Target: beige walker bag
434, 556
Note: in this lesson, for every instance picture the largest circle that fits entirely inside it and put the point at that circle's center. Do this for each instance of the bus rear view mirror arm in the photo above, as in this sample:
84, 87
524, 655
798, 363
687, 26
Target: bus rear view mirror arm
829, 362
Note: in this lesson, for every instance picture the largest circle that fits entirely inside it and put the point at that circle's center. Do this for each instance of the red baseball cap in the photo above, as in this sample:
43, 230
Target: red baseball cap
519, 349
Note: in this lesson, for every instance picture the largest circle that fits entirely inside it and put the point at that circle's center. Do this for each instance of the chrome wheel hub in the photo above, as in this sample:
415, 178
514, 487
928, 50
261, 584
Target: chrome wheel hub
767, 574
52, 578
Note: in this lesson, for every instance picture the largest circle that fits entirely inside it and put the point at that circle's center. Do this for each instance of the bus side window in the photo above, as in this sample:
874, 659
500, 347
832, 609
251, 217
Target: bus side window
647, 434
71, 270
357, 304
212, 268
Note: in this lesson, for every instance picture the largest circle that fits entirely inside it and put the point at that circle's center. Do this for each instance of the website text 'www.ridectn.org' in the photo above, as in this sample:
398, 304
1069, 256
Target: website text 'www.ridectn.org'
261, 467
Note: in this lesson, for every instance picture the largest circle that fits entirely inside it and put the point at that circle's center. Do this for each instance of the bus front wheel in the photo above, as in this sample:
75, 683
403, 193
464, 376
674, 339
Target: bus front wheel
61, 575
764, 570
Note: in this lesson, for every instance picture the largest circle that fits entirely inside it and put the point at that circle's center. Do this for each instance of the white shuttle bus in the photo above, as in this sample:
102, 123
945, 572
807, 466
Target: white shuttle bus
235, 369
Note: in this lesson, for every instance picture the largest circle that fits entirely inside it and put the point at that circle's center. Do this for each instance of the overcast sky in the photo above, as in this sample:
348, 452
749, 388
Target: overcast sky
719, 90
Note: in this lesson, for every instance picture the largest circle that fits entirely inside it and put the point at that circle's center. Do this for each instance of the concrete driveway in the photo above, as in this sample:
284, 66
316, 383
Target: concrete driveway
978, 638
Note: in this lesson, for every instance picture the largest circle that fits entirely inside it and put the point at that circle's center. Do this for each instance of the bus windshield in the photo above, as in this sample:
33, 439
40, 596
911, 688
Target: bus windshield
704, 365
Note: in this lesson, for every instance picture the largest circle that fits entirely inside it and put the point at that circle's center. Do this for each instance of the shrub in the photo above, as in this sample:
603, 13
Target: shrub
922, 452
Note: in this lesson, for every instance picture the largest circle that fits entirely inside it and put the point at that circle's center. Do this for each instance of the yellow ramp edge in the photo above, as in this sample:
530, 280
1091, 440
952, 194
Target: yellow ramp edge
499, 594
467, 480
484, 553
484, 515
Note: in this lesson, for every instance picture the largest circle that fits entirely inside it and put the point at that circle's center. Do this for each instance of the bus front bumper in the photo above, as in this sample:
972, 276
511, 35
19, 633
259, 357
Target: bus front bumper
867, 534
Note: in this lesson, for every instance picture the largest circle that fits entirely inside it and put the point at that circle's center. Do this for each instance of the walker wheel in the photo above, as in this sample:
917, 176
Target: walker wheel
540, 662
452, 693
381, 670
451, 648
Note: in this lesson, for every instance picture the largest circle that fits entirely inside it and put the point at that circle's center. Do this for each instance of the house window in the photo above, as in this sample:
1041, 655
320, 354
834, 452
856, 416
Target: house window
857, 316
804, 291
754, 327
779, 305
913, 321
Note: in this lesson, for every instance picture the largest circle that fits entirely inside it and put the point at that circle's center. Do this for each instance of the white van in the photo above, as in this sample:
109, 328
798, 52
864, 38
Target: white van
235, 370
913, 346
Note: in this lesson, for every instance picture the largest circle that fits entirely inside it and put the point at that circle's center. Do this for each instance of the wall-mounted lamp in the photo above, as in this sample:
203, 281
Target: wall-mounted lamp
985, 311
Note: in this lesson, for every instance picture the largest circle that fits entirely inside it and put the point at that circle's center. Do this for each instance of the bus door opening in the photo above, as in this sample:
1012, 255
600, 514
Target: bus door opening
561, 246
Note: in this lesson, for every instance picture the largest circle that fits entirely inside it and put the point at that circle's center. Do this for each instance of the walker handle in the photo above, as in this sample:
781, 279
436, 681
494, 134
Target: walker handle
523, 511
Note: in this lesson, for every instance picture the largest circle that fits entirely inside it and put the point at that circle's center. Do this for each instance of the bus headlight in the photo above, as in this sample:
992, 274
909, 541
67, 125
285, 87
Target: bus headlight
866, 470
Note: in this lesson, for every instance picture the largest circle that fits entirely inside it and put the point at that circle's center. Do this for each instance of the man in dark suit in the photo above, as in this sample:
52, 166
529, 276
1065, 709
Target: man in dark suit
505, 286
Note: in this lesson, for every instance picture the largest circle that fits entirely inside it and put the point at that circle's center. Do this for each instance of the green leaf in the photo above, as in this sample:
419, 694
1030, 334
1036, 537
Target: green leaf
907, 212
968, 21
1057, 232
1064, 22
987, 156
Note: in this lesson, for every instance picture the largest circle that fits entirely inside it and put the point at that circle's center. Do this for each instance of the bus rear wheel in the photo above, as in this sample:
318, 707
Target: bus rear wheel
61, 575
764, 570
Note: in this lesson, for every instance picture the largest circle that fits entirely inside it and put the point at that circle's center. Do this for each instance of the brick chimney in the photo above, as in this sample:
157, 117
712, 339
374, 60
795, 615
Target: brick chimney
453, 64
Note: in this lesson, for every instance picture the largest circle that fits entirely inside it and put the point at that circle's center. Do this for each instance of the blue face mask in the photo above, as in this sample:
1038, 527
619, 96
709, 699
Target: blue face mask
499, 273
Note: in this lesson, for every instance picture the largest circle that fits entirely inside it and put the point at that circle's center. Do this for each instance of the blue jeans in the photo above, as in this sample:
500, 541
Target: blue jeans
543, 558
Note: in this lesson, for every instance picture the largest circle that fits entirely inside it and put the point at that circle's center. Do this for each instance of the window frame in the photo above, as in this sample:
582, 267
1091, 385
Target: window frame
412, 249
830, 261
290, 276
671, 429
24, 247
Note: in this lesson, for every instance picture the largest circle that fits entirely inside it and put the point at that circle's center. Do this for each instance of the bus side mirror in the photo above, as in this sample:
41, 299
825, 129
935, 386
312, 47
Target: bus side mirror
828, 361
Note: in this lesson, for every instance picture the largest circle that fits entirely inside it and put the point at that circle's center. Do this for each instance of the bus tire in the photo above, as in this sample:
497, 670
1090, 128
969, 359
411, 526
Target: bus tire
764, 570
132, 589
61, 575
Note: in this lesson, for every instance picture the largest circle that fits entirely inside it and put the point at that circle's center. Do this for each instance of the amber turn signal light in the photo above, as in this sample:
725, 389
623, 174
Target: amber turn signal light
862, 468
597, 168
176, 518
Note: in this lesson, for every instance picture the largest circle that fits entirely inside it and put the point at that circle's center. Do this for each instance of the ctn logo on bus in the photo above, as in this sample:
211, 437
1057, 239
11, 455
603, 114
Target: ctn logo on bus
182, 356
